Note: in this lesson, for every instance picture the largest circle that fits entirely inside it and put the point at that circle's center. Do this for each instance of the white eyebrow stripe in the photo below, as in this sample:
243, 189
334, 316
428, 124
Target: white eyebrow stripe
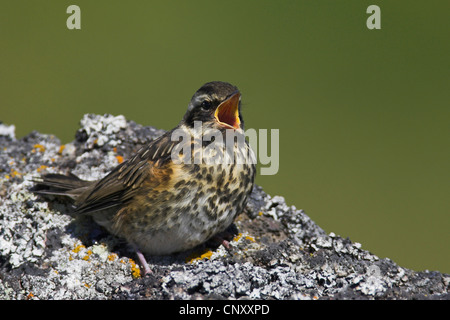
202, 97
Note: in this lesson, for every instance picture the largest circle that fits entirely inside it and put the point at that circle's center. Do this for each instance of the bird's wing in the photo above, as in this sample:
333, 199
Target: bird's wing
122, 183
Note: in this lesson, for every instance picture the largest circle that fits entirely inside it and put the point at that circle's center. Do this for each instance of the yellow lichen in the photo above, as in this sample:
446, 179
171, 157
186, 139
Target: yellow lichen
39, 147
42, 167
237, 237
112, 257
78, 248
250, 238
61, 149
87, 256
240, 235
12, 174
135, 270
195, 257
206, 255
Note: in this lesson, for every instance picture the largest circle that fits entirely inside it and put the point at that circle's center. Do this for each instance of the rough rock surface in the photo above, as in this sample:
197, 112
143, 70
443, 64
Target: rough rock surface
277, 251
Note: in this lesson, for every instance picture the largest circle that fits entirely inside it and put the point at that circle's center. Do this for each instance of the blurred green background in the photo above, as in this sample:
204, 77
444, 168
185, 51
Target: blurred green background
363, 114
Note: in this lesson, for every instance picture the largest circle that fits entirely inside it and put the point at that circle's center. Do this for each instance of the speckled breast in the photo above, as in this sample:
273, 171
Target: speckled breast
198, 201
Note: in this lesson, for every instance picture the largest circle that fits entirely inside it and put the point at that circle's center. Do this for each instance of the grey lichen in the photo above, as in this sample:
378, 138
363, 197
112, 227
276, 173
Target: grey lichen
278, 252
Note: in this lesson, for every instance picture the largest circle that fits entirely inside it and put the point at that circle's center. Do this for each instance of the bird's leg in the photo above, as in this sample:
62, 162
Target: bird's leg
221, 240
225, 243
142, 261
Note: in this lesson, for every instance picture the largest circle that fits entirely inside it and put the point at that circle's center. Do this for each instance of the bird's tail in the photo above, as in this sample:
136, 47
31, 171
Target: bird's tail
61, 185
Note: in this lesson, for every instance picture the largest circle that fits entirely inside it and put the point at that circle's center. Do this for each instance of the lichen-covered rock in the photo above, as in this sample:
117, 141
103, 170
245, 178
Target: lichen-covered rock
277, 251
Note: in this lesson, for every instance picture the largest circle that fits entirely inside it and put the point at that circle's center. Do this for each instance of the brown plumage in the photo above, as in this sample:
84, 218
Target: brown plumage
163, 199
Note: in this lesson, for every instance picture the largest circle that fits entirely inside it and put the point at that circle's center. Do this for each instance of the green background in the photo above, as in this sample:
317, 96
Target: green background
363, 114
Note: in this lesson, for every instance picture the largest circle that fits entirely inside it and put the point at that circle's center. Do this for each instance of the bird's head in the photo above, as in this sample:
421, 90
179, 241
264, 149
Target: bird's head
217, 105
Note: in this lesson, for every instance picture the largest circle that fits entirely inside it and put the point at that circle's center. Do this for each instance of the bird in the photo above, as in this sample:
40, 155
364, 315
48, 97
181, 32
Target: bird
180, 189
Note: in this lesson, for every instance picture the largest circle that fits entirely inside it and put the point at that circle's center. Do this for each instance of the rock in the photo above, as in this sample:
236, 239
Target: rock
277, 251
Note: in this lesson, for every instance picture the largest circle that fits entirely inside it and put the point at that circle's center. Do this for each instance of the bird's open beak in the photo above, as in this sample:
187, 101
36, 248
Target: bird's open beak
227, 113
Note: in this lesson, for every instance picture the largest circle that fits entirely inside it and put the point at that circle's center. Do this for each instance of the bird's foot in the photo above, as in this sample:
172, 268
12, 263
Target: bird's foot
143, 262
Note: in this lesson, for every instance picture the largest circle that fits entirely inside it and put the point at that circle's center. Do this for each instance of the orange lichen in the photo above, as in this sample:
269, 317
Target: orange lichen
119, 159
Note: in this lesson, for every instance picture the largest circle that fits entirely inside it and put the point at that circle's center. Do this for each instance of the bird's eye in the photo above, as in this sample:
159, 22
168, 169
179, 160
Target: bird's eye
206, 105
